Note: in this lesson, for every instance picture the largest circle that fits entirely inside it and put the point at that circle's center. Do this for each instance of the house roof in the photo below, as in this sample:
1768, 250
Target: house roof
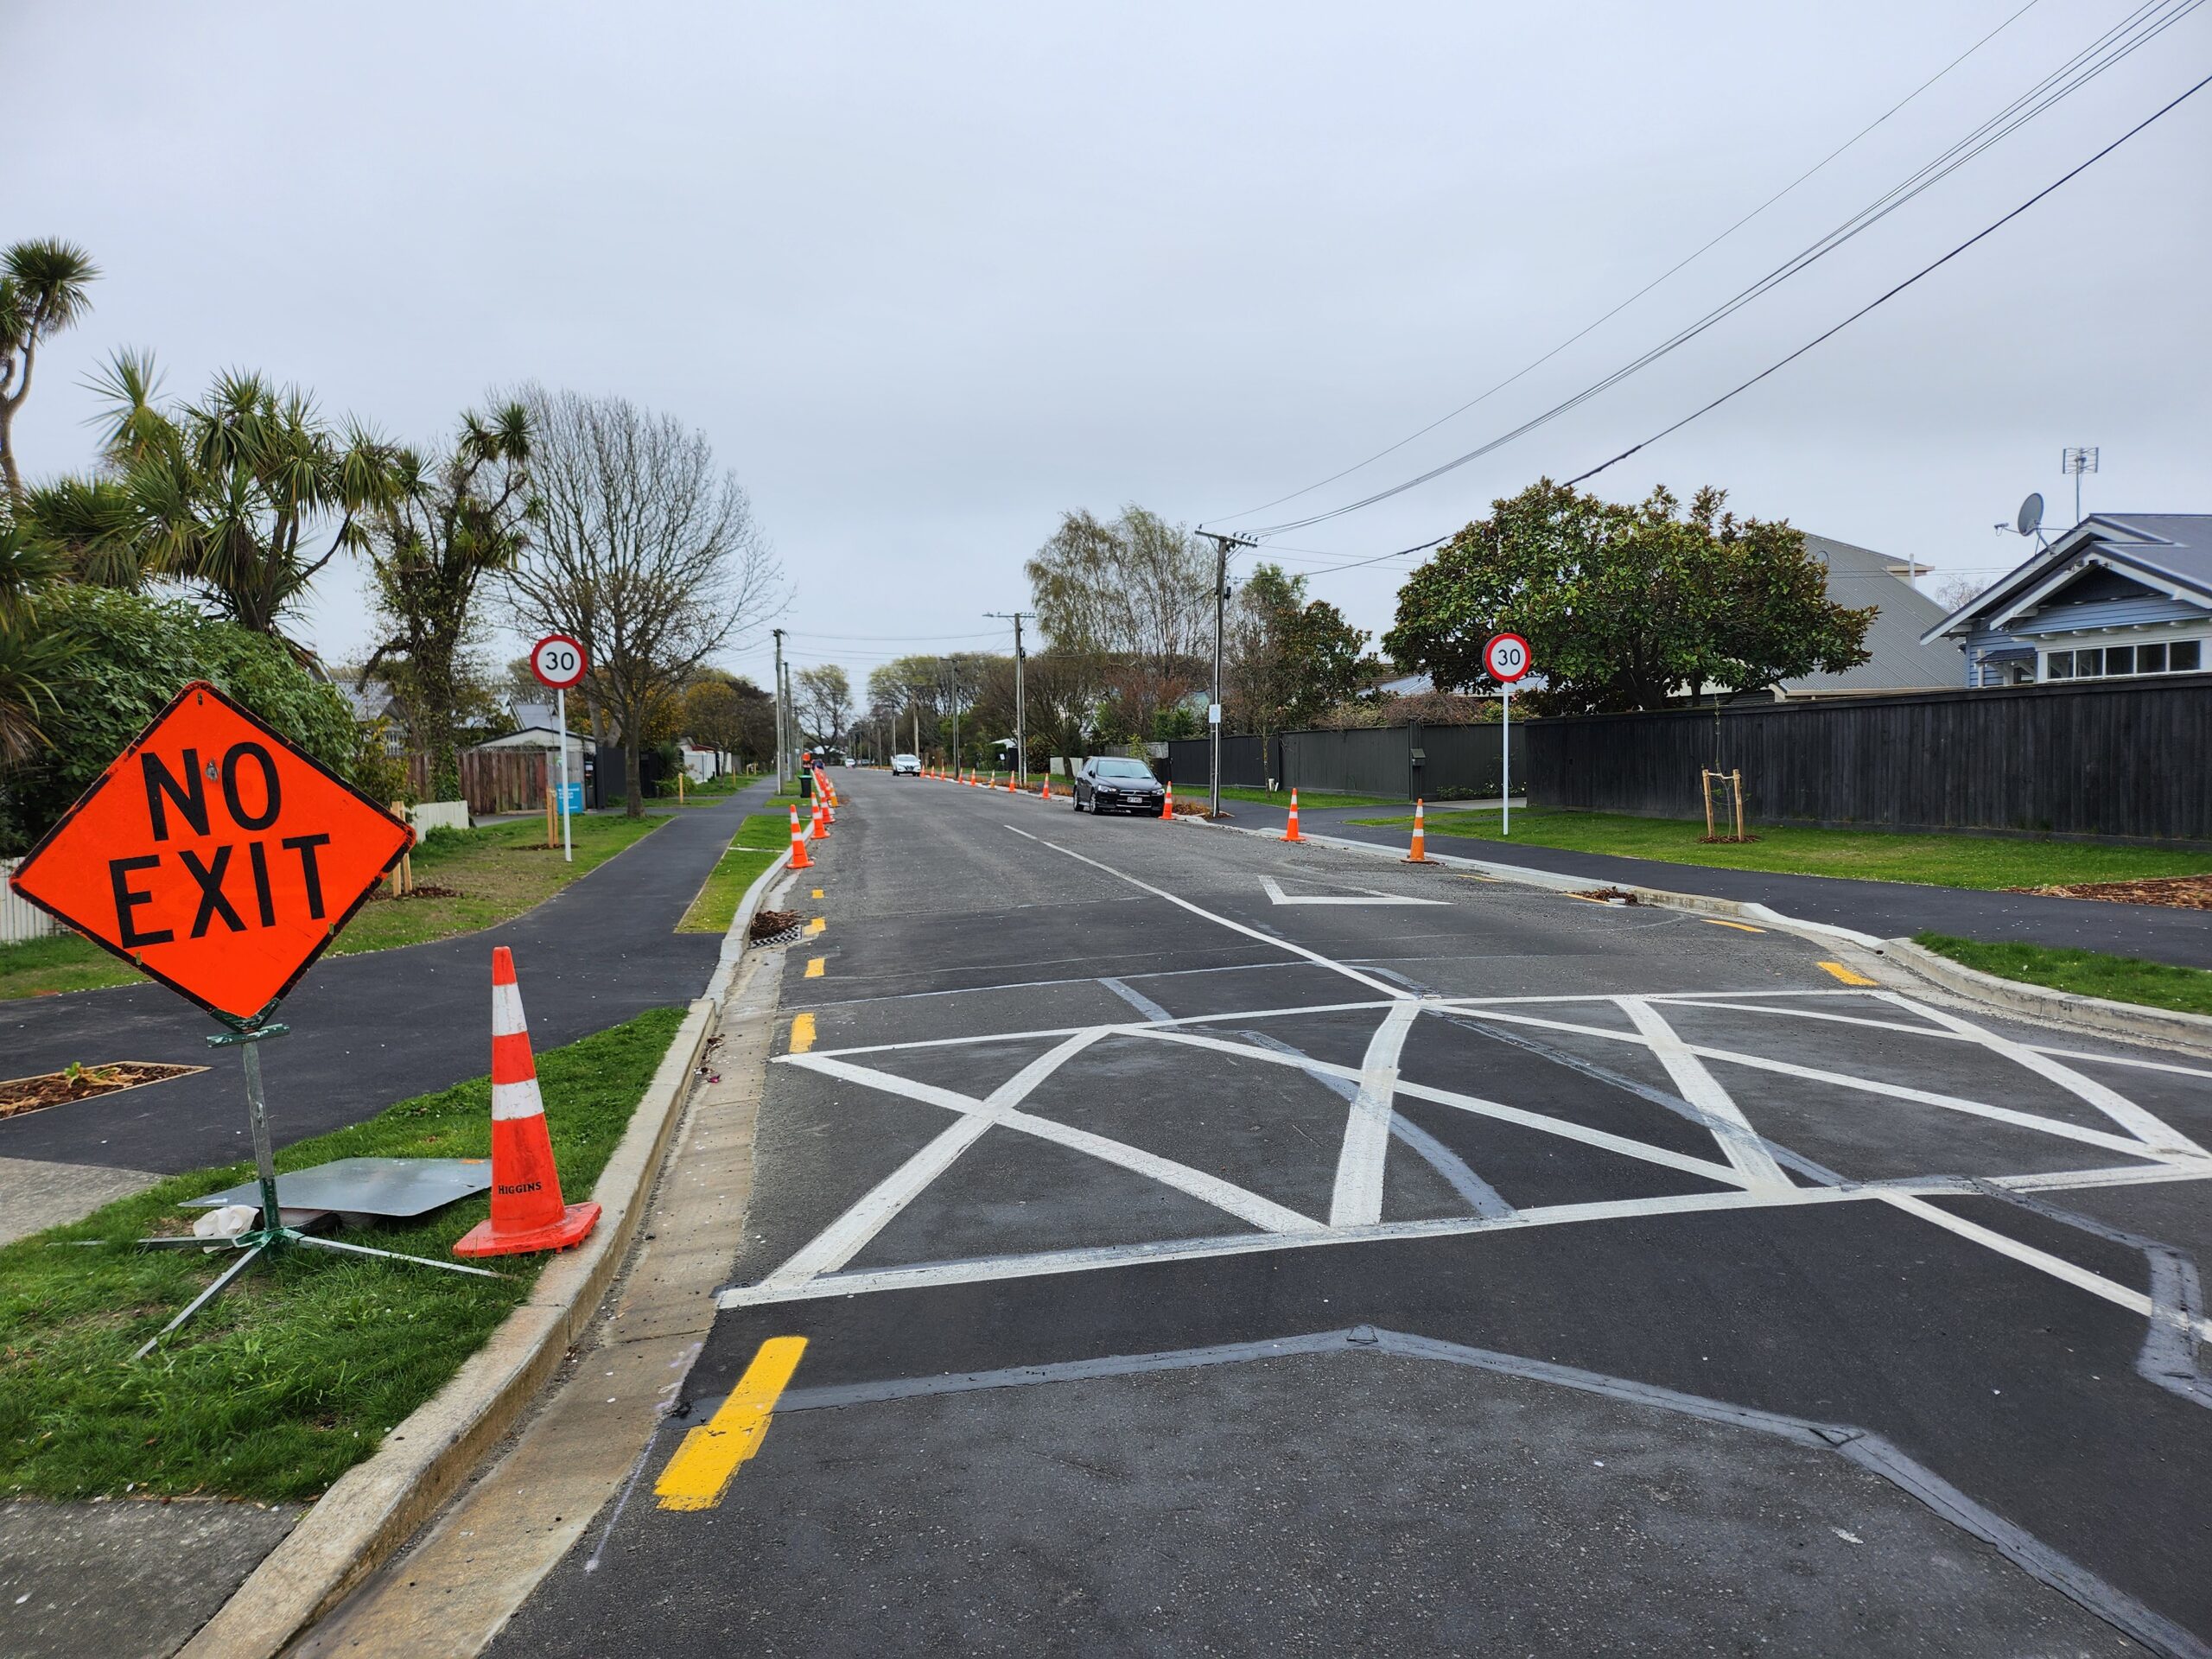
1900, 658
2172, 550
370, 699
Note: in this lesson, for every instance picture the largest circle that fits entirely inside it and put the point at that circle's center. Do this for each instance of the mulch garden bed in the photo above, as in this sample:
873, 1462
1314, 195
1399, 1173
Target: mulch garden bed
82, 1083
2176, 892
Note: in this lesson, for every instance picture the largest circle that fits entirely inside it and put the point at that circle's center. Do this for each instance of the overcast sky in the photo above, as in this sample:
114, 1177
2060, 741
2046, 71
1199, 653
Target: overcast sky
929, 275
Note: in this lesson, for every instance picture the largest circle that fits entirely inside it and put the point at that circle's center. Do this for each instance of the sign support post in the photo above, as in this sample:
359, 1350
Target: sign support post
561, 718
1506, 658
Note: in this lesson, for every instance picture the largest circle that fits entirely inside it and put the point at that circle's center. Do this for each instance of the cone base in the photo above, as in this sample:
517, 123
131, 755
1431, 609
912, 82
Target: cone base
574, 1224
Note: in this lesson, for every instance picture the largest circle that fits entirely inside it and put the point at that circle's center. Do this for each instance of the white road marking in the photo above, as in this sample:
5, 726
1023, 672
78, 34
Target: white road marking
1746, 1152
1137, 999
2056, 1266
2158, 1136
1366, 896
1845, 1080
998, 1268
1314, 957
846, 1236
1358, 1200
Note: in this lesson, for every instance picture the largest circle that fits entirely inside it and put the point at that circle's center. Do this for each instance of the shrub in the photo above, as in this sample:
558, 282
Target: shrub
135, 653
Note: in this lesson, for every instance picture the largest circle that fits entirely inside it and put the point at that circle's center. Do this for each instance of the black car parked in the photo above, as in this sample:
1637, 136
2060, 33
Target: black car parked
1112, 784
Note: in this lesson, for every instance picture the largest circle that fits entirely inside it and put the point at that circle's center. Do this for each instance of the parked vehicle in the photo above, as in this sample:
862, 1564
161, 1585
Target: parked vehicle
906, 765
1112, 783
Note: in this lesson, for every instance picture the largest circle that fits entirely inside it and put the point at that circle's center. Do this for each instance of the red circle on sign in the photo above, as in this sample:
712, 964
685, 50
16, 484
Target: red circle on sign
1506, 658
558, 661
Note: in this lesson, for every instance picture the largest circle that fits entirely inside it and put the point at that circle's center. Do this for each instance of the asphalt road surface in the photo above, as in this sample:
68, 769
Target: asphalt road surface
1207, 1246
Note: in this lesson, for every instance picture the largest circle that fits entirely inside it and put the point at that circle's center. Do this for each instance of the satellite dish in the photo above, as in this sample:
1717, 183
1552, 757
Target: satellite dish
2030, 518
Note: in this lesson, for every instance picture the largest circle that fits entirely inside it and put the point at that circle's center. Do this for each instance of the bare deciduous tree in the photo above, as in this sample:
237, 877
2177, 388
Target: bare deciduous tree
825, 702
646, 552
1134, 596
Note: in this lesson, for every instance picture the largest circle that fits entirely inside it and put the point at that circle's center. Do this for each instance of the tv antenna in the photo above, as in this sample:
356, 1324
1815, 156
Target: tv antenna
2073, 461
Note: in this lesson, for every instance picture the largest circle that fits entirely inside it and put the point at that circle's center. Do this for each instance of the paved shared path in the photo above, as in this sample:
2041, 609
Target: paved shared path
370, 1029
1170, 1241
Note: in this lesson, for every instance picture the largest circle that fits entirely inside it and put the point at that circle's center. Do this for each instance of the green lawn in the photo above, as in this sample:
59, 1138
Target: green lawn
1313, 798
296, 1373
2085, 973
1945, 860
494, 873
759, 841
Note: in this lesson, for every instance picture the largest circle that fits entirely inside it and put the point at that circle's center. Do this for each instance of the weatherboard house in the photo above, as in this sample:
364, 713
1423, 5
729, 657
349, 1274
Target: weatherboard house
2118, 596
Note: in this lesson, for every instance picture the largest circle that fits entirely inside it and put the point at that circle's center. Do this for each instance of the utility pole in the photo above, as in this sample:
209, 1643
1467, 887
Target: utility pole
1221, 546
1021, 711
955, 668
783, 709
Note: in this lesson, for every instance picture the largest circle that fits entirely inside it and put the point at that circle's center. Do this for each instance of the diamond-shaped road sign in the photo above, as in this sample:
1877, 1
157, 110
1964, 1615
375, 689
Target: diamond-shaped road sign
214, 857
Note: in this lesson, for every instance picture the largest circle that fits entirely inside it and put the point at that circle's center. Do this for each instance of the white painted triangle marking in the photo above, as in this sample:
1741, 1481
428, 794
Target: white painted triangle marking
1365, 896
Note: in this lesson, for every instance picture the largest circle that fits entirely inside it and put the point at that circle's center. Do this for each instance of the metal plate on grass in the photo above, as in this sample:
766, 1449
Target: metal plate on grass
393, 1187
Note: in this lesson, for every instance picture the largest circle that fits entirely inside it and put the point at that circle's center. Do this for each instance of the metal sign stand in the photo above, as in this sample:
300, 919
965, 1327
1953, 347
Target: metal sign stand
272, 1235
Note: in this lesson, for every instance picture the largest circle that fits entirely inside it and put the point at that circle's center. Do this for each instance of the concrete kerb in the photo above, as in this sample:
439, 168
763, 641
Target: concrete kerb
2090, 1014
376, 1507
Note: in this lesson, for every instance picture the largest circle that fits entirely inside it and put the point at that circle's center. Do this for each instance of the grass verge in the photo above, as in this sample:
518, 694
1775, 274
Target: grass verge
759, 841
2084, 973
494, 873
296, 1373
1306, 797
1947, 860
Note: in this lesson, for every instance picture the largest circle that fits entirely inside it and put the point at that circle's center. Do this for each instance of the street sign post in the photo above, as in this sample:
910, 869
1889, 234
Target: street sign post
217, 858
1506, 659
558, 661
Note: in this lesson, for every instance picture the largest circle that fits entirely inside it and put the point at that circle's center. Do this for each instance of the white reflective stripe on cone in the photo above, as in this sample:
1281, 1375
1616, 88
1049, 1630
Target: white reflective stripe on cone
513, 1100
506, 1011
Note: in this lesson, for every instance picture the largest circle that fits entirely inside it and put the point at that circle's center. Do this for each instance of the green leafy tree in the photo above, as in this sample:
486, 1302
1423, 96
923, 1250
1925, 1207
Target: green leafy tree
35, 650
1291, 658
1135, 594
451, 520
43, 286
244, 495
132, 653
1626, 606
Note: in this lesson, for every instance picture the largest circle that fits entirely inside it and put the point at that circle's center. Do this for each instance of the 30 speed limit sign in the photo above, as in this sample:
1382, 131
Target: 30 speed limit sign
558, 662
1506, 658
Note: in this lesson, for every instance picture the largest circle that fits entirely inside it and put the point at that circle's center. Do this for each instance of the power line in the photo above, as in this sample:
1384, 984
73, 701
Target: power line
2085, 66
1883, 299
1687, 259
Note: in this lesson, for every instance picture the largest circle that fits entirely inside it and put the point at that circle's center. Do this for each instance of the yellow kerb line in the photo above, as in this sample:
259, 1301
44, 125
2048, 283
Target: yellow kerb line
700, 1472
1845, 974
802, 1033
815, 965
816, 926
818, 892
1741, 927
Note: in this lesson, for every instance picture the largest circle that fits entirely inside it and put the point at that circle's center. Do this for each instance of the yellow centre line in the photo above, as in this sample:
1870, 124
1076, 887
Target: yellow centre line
1741, 927
802, 1033
815, 965
700, 1472
1845, 974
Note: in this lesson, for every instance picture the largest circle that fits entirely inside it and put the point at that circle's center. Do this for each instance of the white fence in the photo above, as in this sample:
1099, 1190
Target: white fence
20, 920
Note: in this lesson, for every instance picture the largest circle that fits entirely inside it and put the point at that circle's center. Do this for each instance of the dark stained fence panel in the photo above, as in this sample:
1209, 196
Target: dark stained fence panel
2120, 758
1457, 762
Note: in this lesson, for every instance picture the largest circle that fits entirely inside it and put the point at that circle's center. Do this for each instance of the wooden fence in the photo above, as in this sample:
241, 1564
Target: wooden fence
491, 780
2117, 758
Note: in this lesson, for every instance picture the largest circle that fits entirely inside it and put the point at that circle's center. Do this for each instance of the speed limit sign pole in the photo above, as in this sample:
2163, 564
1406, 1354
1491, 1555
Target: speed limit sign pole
558, 662
1506, 658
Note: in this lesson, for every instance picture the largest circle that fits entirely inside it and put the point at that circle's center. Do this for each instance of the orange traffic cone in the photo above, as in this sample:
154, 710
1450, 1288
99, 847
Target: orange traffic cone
1167, 806
799, 860
1419, 853
1046, 793
1291, 833
821, 820
527, 1213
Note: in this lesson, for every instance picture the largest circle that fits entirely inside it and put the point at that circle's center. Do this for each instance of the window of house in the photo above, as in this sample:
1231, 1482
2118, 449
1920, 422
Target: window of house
2089, 664
2182, 656
2150, 659
2058, 665
2119, 659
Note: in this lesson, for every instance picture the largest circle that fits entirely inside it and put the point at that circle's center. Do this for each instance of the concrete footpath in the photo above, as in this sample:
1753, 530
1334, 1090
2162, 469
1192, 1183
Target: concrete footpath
365, 1030
1888, 910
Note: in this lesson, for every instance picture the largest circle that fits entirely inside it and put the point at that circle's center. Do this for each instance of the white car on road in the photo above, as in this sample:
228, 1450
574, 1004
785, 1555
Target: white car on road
908, 765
